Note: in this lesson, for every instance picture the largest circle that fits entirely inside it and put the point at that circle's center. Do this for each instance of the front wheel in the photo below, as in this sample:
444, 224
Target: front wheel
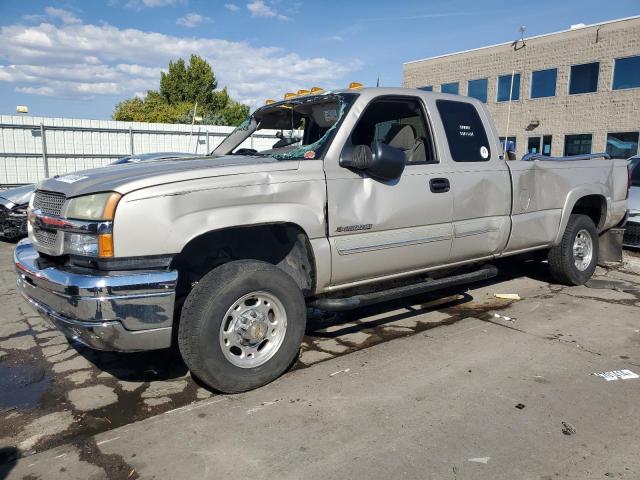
574, 260
242, 325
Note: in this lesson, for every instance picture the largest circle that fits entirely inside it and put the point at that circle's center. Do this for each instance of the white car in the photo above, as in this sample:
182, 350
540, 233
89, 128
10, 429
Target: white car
632, 230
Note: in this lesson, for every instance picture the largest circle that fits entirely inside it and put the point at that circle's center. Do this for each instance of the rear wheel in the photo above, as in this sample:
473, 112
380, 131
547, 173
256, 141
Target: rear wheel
242, 325
574, 260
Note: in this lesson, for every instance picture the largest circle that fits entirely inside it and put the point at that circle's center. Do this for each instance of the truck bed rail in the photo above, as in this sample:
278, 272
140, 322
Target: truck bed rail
529, 157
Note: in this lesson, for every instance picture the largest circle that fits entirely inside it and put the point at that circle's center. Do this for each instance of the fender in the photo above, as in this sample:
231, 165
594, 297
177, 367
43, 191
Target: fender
572, 199
174, 214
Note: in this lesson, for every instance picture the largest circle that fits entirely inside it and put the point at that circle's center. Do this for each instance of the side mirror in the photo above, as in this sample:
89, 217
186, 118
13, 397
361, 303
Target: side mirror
383, 162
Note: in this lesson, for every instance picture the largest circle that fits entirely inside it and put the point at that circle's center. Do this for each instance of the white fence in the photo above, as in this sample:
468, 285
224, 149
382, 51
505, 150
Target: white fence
33, 148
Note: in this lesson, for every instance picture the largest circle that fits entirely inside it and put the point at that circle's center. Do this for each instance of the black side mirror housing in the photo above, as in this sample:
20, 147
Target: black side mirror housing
383, 162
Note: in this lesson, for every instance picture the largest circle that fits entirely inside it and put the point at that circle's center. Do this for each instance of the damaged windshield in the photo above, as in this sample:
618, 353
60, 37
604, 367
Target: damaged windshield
303, 128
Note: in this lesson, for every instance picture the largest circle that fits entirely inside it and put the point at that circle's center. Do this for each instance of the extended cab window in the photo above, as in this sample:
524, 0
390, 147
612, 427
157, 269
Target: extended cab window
465, 132
398, 122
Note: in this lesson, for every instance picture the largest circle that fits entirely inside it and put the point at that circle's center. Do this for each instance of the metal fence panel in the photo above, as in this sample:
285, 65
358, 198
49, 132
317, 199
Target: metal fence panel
32, 148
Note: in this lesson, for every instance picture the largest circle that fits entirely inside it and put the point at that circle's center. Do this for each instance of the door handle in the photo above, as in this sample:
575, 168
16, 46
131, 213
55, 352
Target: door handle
439, 185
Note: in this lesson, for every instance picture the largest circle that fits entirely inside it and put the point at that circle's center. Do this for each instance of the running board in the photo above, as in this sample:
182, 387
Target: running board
356, 301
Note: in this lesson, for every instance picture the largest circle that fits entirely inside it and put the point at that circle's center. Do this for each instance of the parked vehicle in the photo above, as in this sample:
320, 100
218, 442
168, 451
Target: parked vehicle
632, 229
386, 192
14, 202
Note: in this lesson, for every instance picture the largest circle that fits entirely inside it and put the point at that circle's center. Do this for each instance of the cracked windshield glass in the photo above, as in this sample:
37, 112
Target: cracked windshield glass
303, 127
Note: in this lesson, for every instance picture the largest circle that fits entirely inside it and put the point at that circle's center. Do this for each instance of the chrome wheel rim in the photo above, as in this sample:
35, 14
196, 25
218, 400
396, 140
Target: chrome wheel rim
253, 329
582, 250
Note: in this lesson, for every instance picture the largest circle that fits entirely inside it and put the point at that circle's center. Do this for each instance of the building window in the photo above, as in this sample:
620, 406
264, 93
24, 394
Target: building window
512, 142
577, 144
540, 145
622, 145
453, 87
505, 90
584, 78
426, 88
543, 83
626, 73
464, 130
478, 89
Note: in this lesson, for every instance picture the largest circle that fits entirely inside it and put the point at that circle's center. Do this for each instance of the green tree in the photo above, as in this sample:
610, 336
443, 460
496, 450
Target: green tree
180, 88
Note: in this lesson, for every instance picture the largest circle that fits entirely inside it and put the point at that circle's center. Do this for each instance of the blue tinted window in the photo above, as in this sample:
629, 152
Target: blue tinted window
427, 88
622, 145
626, 73
478, 89
584, 78
504, 88
543, 83
577, 144
450, 88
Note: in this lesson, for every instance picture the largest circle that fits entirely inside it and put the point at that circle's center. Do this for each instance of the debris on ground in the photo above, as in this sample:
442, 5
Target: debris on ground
507, 296
614, 375
484, 460
520, 406
568, 429
346, 370
504, 317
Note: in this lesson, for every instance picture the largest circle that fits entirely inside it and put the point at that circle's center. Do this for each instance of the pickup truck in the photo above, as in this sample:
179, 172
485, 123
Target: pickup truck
373, 194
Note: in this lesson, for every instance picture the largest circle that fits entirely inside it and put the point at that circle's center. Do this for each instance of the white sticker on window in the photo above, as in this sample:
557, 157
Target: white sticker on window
484, 152
71, 178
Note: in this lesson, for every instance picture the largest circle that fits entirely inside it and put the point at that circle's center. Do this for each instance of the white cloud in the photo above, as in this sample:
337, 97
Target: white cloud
258, 8
65, 16
335, 38
232, 7
191, 20
83, 60
53, 14
152, 3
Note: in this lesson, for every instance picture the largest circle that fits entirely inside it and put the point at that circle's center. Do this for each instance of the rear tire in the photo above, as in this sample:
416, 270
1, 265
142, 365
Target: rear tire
242, 325
574, 260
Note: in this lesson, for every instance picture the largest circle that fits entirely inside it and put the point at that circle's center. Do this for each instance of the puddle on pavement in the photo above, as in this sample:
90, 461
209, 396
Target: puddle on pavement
22, 385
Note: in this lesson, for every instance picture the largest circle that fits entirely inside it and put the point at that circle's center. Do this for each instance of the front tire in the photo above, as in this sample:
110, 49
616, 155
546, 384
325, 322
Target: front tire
574, 260
242, 325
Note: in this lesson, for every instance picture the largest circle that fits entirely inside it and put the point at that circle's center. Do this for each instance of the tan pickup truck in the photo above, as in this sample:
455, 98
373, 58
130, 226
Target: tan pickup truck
368, 195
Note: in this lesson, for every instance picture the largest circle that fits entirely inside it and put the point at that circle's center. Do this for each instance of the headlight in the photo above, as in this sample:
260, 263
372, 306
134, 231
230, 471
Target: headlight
100, 206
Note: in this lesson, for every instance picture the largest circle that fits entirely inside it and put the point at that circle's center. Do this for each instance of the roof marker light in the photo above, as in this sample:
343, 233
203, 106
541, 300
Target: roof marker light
355, 86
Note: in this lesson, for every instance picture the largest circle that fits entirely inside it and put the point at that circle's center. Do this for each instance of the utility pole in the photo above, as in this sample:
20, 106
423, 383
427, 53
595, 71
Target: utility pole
515, 46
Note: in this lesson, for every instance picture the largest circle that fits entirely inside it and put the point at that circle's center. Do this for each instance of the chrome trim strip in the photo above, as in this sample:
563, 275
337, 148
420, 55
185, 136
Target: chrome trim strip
402, 243
53, 222
479, 231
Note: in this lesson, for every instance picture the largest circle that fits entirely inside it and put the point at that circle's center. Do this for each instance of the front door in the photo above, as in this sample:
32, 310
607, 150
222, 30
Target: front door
379, 228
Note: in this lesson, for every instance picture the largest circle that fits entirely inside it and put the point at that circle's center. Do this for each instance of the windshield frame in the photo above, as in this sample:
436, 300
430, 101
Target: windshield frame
320, 146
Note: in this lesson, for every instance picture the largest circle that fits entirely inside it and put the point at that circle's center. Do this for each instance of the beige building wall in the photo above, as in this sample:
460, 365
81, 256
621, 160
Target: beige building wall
597, 113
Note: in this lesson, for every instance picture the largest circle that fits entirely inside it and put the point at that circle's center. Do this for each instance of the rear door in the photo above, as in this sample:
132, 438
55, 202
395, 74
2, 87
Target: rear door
380, 228
480, 180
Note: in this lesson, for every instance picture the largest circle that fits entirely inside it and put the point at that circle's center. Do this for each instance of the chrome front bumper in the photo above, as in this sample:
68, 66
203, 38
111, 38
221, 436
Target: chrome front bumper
117, 311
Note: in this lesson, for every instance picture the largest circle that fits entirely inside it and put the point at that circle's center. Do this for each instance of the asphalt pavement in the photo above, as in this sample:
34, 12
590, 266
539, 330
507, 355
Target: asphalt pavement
460, 386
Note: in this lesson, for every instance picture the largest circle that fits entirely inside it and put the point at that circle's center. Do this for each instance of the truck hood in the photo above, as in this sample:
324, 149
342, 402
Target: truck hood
126, 178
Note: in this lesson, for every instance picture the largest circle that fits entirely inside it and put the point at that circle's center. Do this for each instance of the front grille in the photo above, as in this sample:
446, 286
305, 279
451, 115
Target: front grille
49, 203
632, 234
45, 238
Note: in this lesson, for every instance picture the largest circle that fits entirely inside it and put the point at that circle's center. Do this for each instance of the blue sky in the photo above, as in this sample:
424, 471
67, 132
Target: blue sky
78, 58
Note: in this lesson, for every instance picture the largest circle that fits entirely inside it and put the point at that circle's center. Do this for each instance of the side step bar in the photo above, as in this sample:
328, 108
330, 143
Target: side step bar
349, 303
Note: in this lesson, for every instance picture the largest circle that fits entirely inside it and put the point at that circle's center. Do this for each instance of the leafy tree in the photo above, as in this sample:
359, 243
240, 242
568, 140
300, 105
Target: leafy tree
180, 88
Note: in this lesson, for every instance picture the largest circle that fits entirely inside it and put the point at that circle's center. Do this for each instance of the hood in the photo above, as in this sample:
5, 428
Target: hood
126, 178
19, 195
